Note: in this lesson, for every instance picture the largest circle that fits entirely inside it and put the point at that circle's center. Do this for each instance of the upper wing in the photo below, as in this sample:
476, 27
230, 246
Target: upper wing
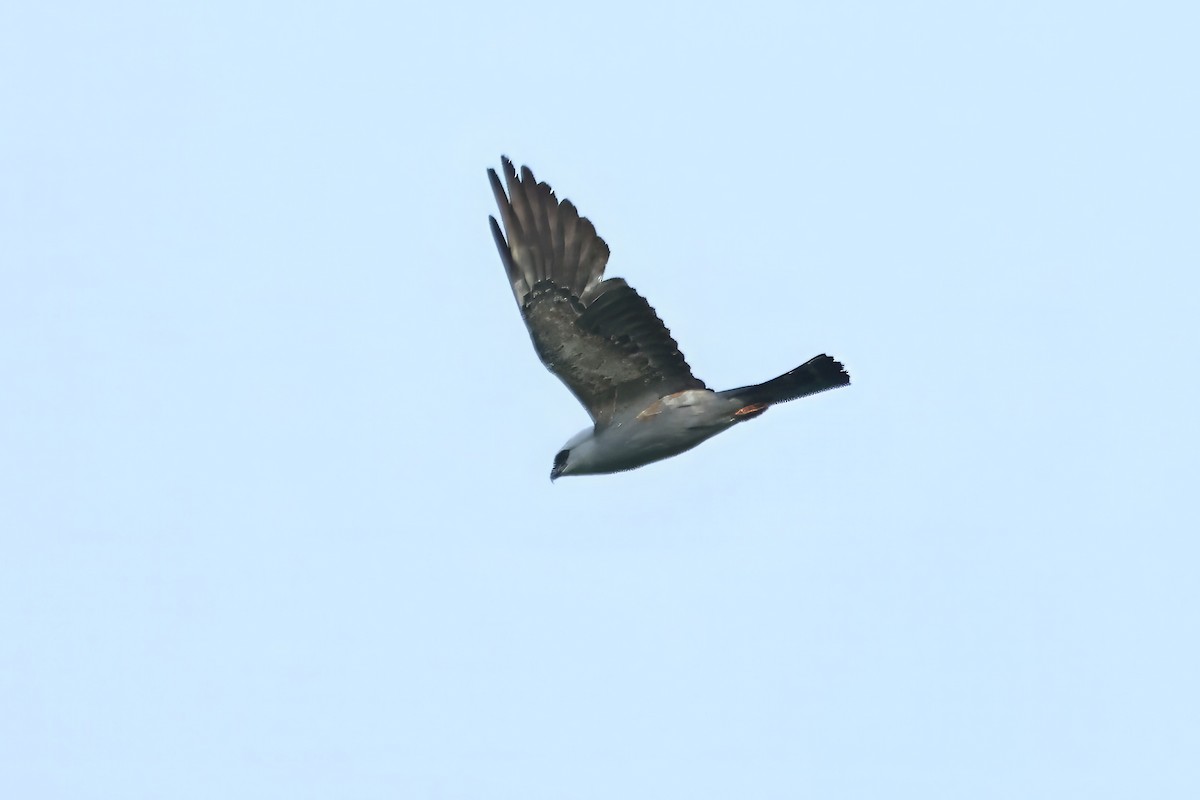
600, 337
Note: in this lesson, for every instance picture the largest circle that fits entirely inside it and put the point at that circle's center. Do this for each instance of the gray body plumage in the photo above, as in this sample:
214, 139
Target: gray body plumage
605, 342
634, 438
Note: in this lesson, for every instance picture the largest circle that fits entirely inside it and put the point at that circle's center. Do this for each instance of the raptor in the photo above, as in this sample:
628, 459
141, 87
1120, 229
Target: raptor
605, 342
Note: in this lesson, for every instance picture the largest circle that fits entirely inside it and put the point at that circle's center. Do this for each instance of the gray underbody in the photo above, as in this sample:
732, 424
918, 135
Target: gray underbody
665, 428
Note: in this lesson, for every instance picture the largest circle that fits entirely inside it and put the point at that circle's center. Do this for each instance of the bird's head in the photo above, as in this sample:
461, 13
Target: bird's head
560, 464
574, 457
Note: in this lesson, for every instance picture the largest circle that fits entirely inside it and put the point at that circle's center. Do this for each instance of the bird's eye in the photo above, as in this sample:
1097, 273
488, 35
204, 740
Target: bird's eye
560, 460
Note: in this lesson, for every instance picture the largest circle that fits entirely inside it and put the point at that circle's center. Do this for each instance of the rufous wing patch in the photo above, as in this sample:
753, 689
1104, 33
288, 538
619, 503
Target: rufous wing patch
750, 411
649, 411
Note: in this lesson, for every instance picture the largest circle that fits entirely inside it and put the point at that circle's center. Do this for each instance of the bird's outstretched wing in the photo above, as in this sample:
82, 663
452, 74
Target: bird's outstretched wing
600, 337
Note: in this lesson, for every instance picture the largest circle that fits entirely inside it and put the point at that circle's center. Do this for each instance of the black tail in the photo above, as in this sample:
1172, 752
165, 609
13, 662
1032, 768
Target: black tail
815, 375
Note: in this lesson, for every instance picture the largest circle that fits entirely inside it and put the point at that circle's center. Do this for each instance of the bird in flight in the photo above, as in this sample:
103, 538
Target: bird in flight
604, 341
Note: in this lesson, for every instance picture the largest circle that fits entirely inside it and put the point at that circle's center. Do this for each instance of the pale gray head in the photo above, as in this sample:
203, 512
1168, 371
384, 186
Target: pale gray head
574, 454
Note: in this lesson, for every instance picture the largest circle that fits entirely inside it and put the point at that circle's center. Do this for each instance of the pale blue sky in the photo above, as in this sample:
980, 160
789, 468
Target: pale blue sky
274, 508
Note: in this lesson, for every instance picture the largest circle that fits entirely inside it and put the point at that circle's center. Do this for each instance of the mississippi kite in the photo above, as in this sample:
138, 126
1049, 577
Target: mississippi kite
604, 341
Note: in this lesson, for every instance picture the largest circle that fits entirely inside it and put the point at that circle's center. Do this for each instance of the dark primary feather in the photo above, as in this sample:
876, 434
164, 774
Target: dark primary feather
600, 337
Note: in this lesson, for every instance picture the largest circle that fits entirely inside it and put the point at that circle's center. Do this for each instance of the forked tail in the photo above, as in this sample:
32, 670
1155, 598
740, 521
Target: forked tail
815, 375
